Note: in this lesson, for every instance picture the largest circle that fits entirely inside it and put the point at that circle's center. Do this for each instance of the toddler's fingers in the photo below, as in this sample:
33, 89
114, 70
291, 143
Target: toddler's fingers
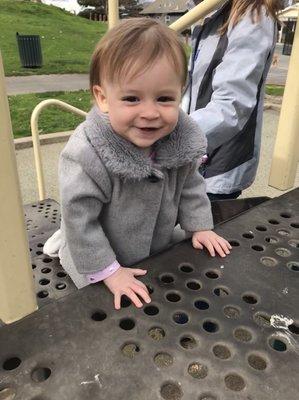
197, 244
139, 272
222, 240
228, 244
141, 293
130, 293
210, 248
141, 284
117, 297
218, 249
224, 244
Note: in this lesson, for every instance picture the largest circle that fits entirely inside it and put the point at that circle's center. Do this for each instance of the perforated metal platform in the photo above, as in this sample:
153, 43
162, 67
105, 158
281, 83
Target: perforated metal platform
51, 282
215, 330
43, 219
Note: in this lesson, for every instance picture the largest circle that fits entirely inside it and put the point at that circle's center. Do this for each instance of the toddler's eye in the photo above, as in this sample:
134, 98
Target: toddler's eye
165, 99
130, 99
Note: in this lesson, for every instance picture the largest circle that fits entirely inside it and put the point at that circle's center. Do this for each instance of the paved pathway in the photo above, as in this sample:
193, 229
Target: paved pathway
278, 72
73, 82
46, 83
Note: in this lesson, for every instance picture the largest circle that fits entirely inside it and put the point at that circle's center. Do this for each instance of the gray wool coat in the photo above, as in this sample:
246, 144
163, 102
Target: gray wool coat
118, 204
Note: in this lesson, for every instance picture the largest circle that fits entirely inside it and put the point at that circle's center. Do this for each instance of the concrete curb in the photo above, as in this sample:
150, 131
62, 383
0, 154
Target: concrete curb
272, 106
49, 138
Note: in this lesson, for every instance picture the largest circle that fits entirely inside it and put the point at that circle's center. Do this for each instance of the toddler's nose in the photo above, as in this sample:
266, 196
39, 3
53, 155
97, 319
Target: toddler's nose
150, 111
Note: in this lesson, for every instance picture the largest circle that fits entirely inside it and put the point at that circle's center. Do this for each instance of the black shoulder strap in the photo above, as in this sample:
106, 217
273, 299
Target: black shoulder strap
198, 29
205, 90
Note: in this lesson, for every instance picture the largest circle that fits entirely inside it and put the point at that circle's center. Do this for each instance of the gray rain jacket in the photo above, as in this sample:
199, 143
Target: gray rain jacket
226, 92
117, 204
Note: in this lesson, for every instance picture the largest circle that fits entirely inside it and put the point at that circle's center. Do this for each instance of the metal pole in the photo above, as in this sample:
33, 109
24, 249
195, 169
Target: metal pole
17, 297
35, 138
198, 12
286, 150
112, 13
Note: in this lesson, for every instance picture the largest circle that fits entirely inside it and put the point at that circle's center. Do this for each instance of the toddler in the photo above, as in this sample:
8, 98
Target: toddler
129, 173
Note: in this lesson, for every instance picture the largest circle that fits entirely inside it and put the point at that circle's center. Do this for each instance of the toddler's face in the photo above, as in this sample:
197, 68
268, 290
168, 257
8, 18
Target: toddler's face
145, 108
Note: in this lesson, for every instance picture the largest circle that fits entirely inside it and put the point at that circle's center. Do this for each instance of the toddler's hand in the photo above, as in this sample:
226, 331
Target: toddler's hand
123, 282
212, 242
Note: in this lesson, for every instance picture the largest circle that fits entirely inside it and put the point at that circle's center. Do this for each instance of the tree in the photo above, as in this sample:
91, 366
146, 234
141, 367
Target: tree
100, 9
127, 8
92, 3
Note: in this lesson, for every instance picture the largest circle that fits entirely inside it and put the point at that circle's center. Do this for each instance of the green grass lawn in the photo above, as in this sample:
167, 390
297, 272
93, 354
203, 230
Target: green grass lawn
52, 119
274, 90
67, 40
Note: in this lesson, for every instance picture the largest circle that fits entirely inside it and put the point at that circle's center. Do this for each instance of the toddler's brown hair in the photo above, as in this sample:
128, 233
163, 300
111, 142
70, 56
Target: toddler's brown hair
134, 45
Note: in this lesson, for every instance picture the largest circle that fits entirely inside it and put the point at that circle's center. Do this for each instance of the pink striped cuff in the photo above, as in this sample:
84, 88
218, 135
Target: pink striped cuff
103, 274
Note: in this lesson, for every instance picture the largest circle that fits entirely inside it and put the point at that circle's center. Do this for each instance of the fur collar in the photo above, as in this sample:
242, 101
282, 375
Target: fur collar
184, 145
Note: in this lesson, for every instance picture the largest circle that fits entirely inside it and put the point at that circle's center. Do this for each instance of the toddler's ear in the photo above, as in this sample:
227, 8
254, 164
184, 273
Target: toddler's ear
100, 97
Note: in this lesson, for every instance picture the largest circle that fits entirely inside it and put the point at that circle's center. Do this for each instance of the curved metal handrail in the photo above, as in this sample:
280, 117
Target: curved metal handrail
35, 137
196, 13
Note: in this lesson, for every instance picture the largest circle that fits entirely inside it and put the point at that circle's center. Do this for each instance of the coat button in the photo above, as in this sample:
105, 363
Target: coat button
153, 178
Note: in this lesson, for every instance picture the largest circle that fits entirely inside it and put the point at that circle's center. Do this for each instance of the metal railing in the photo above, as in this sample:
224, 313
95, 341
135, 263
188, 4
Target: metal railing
197, 13
17, 297
35, 138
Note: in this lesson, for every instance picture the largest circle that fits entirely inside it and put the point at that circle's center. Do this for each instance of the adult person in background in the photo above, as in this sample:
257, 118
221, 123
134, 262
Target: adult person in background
231, 55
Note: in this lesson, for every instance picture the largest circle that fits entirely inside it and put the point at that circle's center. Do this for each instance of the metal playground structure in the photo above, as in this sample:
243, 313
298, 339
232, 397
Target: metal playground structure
226, 330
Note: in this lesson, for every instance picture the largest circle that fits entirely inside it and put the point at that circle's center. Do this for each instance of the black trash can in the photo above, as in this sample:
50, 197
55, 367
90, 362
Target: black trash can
289, 29
30, 51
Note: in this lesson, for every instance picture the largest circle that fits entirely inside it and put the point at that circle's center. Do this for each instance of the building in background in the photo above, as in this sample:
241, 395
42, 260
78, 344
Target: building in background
290, 12
166, 11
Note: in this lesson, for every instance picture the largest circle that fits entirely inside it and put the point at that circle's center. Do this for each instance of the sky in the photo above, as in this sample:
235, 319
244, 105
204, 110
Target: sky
70, 5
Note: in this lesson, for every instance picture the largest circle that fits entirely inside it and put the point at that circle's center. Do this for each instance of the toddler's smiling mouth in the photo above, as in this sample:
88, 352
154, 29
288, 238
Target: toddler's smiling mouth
148, 129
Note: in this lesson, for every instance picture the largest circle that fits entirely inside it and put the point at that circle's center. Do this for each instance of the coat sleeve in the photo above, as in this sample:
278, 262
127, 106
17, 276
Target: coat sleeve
236, 79
195, 207
84, 189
